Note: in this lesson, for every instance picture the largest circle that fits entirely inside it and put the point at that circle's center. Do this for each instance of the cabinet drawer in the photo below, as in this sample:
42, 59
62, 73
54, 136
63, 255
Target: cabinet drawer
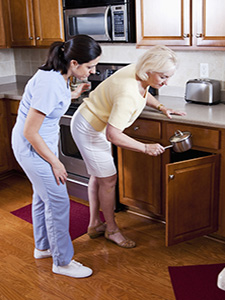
144, 128
201, 137
14, 105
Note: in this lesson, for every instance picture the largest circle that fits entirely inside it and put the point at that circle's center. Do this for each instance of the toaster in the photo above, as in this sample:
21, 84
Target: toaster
205, 91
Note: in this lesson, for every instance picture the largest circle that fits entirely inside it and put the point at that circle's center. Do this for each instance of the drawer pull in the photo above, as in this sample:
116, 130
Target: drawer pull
136, 128
171, 177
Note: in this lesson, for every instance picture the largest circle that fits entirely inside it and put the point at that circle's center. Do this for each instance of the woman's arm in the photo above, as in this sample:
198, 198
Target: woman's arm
33, 123
153, 102
120, 139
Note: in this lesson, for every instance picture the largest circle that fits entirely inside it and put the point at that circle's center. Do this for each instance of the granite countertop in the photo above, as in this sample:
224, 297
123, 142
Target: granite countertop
12, 90
197, 114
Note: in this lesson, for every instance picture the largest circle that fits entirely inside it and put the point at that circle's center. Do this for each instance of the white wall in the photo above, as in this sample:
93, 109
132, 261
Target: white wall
26, 61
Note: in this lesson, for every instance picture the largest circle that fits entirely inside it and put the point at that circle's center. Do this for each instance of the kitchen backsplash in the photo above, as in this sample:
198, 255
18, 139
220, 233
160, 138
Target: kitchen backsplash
24, 62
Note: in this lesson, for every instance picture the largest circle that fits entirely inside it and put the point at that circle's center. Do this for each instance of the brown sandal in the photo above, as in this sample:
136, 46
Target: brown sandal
93, 233
127, 243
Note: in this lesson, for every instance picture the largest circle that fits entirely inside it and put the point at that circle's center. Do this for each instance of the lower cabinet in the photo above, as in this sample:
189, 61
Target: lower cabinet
14, 105
181, 188
140, 180
8, 114
4, 138
192, 193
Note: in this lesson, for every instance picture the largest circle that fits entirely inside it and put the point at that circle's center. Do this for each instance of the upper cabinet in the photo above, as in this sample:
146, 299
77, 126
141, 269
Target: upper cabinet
4, 25
35, 22
193, 23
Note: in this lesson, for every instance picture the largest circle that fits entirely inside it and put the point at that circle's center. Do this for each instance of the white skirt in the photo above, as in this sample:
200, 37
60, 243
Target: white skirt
95, 149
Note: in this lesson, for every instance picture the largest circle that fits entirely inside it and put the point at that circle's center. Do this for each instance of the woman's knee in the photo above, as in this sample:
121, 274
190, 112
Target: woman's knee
108, 182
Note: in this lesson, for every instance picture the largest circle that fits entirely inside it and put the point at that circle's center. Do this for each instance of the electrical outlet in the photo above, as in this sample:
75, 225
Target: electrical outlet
204, 70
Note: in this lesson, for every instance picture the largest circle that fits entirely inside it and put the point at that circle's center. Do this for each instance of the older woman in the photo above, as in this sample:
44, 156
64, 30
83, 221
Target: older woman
113, 106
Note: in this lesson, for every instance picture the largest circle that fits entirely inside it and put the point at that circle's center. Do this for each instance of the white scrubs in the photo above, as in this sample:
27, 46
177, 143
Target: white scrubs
47, 92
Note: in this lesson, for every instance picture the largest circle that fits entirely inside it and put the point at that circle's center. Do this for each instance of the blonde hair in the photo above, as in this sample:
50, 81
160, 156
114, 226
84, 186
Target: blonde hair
158, 59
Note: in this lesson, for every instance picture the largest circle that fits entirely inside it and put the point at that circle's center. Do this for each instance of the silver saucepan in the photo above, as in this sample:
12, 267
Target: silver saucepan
180, 141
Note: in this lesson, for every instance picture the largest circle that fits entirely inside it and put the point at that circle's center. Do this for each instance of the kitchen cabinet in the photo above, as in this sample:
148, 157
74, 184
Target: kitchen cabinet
4, 25
181, 188
13, 109
8, 114
35, 22
139, 180
4, 138
193, 23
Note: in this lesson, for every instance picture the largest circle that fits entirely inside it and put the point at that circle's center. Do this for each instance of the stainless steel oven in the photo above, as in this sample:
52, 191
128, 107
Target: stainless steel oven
69, 154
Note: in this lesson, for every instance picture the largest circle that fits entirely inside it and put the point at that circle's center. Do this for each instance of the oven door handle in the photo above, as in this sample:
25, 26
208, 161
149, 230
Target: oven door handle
77, 181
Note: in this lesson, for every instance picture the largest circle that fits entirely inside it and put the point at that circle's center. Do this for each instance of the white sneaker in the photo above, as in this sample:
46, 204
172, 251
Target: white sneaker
221, 280
42, 254
73, 269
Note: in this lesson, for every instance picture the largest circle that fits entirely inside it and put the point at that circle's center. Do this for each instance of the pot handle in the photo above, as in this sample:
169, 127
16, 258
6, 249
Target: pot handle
167, 147
178, 133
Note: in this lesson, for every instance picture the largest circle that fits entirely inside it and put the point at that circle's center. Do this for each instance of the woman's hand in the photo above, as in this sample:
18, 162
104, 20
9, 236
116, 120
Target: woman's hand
154, 149
168, 112
59, 172
82, 87
32, 126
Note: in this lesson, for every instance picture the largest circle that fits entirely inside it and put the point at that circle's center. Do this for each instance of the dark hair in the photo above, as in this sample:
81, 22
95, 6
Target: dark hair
81, 48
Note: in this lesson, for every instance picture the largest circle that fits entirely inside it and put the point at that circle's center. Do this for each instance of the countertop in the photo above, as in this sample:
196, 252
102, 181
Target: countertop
12, 90
197, 114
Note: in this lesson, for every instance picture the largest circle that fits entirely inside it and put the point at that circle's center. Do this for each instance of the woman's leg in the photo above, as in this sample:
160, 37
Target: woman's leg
50, 210
102, 191
39, 226
94, 204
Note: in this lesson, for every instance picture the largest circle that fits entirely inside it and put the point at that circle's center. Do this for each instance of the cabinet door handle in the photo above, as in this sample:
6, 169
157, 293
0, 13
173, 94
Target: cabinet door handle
136, 128
30, 38
198, 35
171, 176
186, 35
38, 38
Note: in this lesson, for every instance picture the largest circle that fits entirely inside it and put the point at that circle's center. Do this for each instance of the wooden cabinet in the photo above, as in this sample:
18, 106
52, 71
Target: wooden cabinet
4, 25
140, 183
4, 138
35, 22
13, 111
181, 23
181, 187
8, 114
192, 192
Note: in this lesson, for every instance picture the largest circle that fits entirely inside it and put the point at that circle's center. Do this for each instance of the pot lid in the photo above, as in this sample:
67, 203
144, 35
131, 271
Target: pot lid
180, 136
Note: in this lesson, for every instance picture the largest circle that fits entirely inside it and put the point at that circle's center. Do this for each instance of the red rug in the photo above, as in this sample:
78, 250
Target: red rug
197, 282
79, 217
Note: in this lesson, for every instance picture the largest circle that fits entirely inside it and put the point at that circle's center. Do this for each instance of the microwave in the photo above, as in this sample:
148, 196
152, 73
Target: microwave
103, 20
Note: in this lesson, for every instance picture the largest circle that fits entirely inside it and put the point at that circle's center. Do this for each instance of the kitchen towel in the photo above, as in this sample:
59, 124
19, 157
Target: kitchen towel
198, 282
79, 217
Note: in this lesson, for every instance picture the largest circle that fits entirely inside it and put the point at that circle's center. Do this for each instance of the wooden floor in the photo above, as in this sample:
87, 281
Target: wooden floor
119, 274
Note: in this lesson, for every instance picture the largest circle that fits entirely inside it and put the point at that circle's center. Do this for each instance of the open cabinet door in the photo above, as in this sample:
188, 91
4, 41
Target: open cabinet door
192, 191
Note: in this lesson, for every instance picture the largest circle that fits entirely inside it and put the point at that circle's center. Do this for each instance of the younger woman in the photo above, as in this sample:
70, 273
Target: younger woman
46, 98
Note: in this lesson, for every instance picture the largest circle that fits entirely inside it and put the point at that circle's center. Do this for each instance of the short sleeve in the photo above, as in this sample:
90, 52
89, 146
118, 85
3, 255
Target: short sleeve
122, 111
45, 94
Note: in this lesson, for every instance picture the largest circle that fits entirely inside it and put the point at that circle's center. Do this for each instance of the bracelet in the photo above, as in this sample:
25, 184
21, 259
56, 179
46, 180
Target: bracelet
146, 149
159, 106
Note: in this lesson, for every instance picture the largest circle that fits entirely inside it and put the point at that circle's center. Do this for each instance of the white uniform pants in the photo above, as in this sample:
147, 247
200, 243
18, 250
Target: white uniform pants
50, 209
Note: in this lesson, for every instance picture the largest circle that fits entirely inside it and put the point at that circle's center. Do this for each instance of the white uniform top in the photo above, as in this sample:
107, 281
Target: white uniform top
48, 93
